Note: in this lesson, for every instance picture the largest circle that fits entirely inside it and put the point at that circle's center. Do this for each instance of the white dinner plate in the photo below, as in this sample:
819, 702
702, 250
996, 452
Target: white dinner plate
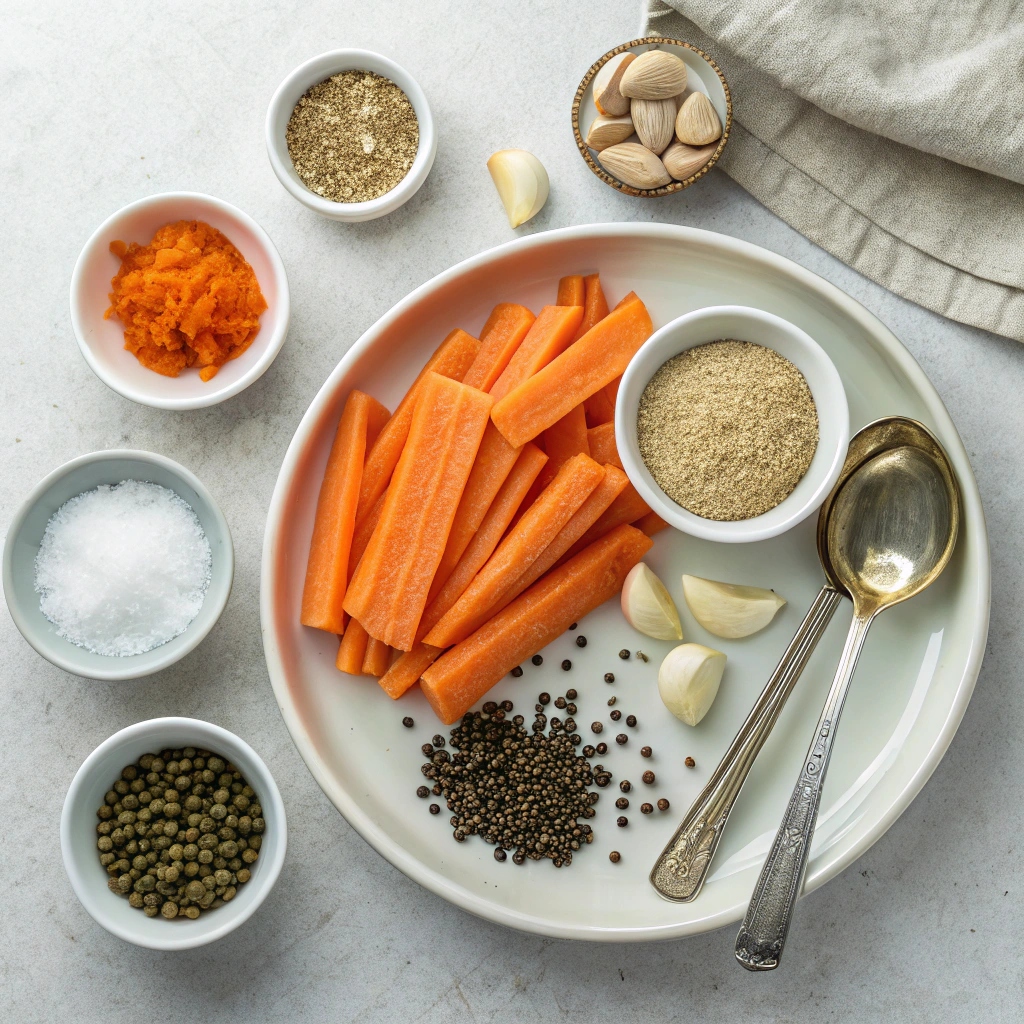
912, 687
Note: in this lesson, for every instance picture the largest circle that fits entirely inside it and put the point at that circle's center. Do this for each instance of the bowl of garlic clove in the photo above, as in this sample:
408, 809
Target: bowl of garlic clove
652, 116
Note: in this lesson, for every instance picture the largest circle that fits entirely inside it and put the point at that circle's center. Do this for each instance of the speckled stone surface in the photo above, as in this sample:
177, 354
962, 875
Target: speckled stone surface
103, 103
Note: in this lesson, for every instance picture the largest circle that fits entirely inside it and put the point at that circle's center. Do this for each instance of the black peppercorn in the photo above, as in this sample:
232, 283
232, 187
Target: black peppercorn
690, 763
602, 748
518, 720
648, 777
427, 749
615, 856
622, 822
506, 706
622, 803
593, 798
559, 703
662, 804
537, 660
434, 809
544, 698
571, 694
556, 724
624, 654
646, 809
611, 701
490, 707
631, 720
581, 641
408, 722
500, 855
646, 751
575, 739
622, 739
519, 857
625, 785
609, 677
573, 625
566, 665
438, 740
423, 792
615, 715
596, 726
588, 751
517, 671
570, 724
601, 781
571, 708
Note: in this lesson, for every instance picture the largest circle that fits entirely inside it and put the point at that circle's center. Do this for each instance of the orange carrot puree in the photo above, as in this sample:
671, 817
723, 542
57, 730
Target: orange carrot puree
188, 298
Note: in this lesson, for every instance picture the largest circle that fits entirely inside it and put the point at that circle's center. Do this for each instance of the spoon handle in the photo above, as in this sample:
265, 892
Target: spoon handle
683, 865
762, 935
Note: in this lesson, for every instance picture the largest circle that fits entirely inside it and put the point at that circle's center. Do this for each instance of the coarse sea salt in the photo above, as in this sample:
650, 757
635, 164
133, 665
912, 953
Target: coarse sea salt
123, 568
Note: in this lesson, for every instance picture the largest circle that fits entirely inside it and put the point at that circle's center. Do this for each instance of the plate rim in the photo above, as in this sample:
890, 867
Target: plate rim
821, 873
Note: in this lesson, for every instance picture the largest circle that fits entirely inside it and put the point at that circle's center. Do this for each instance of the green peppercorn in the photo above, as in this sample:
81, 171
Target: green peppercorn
249, 856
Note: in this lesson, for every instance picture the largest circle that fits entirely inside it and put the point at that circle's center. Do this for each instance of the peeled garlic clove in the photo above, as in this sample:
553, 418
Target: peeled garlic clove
648, 606
688, 681
607, 97
729, 610
634, 165
684, 161
654, 75
697, 121
609, 131
522, 183
654, 121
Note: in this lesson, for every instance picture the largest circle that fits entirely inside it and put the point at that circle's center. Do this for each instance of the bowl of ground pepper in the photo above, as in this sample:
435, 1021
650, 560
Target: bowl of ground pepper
732, 424
350, 135
191, 806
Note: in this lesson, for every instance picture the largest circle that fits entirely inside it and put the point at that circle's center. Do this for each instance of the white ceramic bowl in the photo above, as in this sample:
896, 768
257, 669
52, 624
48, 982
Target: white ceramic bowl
25, 534
78, 833
315, 70
102, 341
741, 323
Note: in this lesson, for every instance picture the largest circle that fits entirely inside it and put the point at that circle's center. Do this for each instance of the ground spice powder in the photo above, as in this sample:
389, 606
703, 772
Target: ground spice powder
353, 137
727, 429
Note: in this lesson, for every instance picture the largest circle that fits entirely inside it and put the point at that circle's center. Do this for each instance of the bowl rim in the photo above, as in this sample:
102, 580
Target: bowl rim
342, 60
740, 530
195, 636
674, 186
214, 737
267, 344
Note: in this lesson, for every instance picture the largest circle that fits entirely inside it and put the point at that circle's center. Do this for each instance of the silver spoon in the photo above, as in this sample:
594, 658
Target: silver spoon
679, 872
890, 533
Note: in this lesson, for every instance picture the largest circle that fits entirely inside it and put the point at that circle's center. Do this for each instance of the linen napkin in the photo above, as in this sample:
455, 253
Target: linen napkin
889, 132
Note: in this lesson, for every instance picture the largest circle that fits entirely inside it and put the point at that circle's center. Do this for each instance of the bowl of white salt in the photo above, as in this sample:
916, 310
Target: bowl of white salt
117, 564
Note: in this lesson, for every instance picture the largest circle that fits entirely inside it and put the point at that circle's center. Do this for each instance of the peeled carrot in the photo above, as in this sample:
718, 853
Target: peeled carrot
595, 305
599, 409
625, 300
628, 507
410, 666
494, 462
503, 333
602, 445
376, 659
464, 674
334, 524
389, 589
519, 550
551, 334
363, 533
453, 358
352, 649
651, 524
571, 291
563, 440
580, 371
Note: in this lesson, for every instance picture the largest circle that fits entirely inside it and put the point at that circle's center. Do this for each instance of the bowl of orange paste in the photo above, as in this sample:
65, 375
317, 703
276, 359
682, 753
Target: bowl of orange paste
179, 301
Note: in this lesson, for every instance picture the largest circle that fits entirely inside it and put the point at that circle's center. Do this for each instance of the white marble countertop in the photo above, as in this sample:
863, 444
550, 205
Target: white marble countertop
104, 103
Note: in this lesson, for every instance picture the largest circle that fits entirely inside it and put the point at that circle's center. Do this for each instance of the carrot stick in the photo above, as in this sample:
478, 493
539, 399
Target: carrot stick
453, 358
628, 507
595, 305
580, 371
551, 334
602, 445
503, 333
352, 649
571, 291
464, 674
409, 667
363, 533
519, 550
494, 462
651, 524
334, 524
376, 659
625, 300
389, 589
599, 409
563, 440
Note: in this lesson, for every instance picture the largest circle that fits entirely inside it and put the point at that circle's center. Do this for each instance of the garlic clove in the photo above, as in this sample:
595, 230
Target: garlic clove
728, 609
688, 681
634, 165
607, 97
648, 606
609, 131
521, 181
697, 122
682, 161
654, 75
654, 121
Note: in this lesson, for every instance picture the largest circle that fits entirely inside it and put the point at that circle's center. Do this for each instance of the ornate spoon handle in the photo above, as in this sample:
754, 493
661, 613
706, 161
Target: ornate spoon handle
682, 867
762, 936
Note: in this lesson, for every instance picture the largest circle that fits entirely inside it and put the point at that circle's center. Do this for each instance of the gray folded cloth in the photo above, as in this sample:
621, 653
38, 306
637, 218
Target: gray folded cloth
889, 132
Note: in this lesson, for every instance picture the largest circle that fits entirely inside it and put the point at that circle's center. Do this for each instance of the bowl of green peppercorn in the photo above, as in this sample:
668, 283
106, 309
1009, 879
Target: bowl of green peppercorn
173, 833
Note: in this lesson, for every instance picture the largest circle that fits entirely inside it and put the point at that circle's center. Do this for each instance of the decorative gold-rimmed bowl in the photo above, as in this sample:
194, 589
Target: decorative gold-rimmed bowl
703, 75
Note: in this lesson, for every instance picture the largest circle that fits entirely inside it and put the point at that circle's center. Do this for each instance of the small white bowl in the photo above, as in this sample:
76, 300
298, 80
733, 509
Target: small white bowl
101, 769
102, 341
740, 323
291, 90
25, 534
